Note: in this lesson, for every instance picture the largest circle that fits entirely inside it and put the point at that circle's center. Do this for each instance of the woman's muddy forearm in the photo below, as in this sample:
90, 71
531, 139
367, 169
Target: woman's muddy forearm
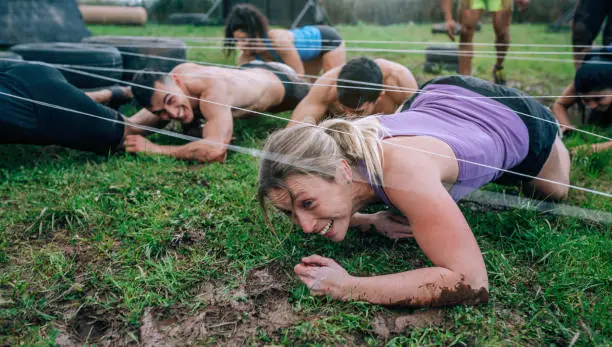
427, 287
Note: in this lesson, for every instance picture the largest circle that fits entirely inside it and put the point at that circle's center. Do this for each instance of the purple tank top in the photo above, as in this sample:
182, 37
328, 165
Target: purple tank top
478, 130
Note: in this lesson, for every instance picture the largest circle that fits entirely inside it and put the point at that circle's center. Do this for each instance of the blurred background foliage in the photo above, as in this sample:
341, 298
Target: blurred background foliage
381, 12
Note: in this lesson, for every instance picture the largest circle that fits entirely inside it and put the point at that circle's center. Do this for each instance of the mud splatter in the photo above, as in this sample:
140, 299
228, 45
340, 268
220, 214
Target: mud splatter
386, 325
91, 326
461, 294
265, 278
231, 318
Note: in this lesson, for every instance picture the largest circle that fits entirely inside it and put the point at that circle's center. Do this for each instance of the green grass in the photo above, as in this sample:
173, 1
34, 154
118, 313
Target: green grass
88, 245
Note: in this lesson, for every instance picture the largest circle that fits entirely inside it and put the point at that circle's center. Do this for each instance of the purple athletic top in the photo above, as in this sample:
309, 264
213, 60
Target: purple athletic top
478, 130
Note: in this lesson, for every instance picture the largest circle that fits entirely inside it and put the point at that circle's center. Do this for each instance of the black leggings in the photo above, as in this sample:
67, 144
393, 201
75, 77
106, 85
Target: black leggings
295, 88
330, 38
25, 122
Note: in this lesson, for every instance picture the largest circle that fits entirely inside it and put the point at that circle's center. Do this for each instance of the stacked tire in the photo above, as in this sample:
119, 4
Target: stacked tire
139, 53
441, 58
8, 58
101, 64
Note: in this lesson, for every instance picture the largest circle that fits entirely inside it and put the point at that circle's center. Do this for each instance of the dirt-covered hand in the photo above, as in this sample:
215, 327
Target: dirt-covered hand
323, 276
137, 143
391, 225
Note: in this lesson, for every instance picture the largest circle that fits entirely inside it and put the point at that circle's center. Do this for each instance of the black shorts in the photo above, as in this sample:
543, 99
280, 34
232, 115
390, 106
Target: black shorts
540, 122
588, 19
25, 122
330, 38
295, 88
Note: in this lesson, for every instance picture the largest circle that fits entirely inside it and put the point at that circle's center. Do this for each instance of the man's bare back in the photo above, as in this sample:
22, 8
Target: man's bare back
324, 97
253, 89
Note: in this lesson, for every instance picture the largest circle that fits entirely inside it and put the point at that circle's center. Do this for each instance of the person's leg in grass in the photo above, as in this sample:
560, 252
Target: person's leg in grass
468, 19
334, 58
93, 127
501, 26
313, 68
326, 62
555, 169
113, 96
332, 54
333, 49
588, 19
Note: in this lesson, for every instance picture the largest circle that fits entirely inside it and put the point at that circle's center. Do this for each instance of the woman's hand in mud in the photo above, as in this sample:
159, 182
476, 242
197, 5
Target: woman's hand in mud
390, 225
323, 276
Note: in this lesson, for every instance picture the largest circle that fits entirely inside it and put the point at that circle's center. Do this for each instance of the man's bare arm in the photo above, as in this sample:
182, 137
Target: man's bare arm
561, 106
447, 10
406, 82
593, 148
314, 106
217, 132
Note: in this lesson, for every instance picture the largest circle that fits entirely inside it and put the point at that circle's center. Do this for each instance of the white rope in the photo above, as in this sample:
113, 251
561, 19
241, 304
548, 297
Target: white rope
312, 125
415, 91
458, 52
515, 201
282, 47
387, 88
489, 197
392, 42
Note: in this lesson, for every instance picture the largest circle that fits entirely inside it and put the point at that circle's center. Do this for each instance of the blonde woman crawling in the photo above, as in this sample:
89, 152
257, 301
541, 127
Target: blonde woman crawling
421, 168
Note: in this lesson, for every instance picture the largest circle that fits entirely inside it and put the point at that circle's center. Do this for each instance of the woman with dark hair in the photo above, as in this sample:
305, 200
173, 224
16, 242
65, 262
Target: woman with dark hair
307, 49
427, 161
593, 87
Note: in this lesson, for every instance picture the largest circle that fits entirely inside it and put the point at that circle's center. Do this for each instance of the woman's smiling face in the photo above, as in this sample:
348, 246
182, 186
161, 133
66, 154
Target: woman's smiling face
320, 206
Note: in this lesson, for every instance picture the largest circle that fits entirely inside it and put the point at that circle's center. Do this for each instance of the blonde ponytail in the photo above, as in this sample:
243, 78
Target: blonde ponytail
359, 141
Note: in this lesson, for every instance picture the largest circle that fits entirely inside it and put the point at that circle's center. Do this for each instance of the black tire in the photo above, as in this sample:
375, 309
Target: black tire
442, 54
9, 56
438, 68
171, 48
197, 19
100, 56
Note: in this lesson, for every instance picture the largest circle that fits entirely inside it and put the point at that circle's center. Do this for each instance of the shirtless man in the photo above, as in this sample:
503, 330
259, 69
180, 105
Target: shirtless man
194, 94
381, 87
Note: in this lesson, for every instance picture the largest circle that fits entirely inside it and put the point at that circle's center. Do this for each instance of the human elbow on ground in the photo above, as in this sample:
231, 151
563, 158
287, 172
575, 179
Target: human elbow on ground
209, 154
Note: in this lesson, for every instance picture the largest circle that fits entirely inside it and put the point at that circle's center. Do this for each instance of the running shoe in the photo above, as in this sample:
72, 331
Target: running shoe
499, 76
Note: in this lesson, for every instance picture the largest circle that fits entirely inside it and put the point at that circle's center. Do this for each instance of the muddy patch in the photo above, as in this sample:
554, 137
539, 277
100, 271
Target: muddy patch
230, 318
385, 325
89, 326
188, 237
267, 278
